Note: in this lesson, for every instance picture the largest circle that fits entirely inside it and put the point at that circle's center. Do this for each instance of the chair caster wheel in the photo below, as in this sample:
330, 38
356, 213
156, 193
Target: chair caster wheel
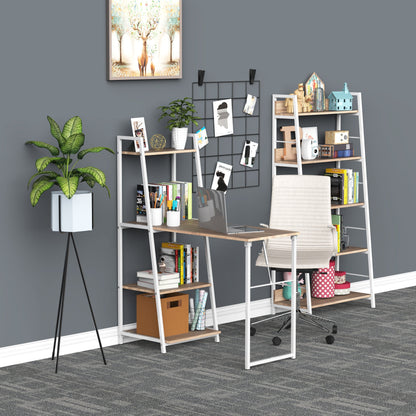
329, 339
252, 331
334, 329
276, 341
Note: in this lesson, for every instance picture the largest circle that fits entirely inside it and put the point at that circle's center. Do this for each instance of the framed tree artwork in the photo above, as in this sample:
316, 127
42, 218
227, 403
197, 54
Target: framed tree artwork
144, 39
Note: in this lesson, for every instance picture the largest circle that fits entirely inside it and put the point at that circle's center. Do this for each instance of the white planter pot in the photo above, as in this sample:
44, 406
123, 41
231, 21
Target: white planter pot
179, 136
71, 215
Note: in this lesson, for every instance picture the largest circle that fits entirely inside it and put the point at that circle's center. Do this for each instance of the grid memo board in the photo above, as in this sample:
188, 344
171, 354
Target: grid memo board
228, 149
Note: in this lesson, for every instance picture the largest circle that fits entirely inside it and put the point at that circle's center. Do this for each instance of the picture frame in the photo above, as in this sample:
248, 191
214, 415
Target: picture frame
222, 175
223, 117
138, 127
144, 39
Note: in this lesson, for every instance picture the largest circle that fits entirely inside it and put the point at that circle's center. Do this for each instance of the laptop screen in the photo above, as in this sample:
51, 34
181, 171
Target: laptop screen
212, 211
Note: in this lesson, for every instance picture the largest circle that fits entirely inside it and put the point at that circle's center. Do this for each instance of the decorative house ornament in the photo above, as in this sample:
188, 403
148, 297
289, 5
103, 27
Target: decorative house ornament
340, 100
71, 215
315, 88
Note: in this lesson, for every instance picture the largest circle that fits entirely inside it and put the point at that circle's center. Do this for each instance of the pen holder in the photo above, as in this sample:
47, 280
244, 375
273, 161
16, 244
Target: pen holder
173, 218
156, 214
287, 290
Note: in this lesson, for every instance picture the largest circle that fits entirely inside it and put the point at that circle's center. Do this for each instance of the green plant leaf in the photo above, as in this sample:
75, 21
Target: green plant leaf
53, 149
72, 126
82, 153
47, 175
73, 144
39, 187
56, 131
96, 173
43, 162
68, 185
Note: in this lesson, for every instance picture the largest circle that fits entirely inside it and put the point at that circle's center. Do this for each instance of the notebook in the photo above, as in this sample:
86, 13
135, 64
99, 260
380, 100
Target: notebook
212, 213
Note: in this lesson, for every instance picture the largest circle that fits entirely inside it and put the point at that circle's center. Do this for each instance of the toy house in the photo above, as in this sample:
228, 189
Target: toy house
340, 100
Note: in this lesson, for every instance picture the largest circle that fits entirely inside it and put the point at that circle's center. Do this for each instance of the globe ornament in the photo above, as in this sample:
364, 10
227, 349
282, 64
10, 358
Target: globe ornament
157, 142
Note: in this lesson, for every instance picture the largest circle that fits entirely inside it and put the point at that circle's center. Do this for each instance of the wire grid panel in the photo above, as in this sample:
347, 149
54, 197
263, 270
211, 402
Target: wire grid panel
228, 149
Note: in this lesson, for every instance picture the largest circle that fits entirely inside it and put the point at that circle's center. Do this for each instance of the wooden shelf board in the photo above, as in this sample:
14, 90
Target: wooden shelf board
352, 250
318, 113
356, 204
320, 303
167, 151
192, 335
182, 288
316, 161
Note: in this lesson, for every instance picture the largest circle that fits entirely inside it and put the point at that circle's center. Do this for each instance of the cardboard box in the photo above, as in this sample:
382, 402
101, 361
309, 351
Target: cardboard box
337, 137
175, 310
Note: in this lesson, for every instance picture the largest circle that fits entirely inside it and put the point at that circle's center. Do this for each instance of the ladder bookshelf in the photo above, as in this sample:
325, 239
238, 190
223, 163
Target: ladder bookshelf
279, 113
123, 289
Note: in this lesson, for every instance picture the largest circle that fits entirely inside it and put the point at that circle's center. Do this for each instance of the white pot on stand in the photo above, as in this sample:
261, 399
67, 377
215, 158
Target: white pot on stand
179, 136
71, 215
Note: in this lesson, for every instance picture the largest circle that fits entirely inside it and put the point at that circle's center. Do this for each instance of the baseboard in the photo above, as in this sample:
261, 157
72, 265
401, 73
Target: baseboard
39, 350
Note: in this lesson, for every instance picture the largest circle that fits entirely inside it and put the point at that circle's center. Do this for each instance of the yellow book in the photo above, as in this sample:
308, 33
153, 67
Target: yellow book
343, 172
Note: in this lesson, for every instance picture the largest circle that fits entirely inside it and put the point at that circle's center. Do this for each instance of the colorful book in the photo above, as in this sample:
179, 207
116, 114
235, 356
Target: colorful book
337, 221
195, 264
350, 175
356, 186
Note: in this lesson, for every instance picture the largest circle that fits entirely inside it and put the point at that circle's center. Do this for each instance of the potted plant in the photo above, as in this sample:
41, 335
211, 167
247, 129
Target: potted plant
71, 208
180, 114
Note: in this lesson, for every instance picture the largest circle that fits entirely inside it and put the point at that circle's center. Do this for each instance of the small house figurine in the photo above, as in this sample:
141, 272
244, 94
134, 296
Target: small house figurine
340, 100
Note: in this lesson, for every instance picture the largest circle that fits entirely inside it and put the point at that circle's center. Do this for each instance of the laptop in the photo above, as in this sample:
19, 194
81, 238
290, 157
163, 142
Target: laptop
212, 213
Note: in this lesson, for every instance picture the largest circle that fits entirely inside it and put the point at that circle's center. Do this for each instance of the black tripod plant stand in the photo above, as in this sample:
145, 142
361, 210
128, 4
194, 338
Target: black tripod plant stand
58, 327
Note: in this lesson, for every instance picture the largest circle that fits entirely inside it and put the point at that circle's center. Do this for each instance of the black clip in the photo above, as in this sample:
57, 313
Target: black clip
201, 74
252, 75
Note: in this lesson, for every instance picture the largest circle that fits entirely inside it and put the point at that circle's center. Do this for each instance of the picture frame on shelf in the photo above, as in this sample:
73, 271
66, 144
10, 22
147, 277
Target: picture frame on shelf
138, 127
144, 39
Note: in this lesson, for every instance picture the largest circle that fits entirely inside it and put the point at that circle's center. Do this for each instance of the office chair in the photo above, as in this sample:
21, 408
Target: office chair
301, 203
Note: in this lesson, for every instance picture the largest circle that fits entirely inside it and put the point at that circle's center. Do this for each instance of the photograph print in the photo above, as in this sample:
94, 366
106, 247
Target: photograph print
223, 117
144, 39
221, 177
138, 127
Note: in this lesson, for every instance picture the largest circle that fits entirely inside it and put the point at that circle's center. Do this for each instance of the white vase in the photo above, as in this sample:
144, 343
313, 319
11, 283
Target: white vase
71, 215
179, 136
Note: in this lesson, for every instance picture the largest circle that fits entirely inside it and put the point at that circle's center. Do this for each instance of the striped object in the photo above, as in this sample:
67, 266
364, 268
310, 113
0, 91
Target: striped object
342, 289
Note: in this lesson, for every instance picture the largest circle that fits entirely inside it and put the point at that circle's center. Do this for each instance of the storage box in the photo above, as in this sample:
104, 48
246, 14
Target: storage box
337, 137
340, 277
175, 310
342, 289
323, 282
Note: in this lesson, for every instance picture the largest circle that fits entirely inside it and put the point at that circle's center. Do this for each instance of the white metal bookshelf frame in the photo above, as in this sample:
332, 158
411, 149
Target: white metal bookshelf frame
123, 225
299, 166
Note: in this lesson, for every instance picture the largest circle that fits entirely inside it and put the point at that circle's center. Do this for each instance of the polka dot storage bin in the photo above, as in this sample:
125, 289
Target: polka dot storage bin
340, 277
323, 282
343, 289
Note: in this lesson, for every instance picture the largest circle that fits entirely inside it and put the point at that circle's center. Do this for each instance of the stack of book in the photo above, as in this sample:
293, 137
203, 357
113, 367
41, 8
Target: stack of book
183, 259
166, 280
344, 185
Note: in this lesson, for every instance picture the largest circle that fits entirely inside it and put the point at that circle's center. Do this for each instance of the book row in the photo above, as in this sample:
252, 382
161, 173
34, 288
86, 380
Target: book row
344, 185
178, 265
175, 195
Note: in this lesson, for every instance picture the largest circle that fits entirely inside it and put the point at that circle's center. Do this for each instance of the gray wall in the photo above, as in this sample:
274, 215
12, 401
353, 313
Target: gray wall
54, 63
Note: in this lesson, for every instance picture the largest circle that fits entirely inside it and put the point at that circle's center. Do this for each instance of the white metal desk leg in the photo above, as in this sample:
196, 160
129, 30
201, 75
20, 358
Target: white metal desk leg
308, 292
211, 289
293, 300
247, 249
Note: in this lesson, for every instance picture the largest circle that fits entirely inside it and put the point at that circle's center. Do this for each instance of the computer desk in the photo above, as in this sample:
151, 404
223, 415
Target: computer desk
191, 227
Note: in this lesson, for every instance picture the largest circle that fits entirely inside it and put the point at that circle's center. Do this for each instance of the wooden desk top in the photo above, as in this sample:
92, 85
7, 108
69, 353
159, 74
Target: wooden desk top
192, 227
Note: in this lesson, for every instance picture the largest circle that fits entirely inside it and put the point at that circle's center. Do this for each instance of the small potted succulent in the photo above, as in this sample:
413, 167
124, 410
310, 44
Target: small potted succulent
180, 114
71, 208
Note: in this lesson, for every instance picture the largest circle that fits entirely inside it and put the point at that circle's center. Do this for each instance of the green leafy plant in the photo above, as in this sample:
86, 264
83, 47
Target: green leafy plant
180, 113
60, 169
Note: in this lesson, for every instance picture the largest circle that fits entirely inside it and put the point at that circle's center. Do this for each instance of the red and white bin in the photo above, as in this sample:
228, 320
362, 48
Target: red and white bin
323, 282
